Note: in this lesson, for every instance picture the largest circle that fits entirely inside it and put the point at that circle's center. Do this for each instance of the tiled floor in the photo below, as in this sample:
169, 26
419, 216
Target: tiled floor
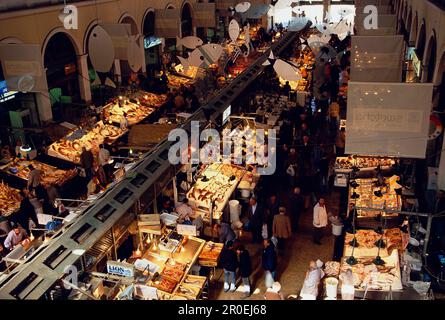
292, 265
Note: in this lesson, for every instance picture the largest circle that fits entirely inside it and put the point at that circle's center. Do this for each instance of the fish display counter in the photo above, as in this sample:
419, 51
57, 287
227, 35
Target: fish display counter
50, 175
166, 268
70, 147
216, 184
149, 99
134, 112
363, 163
9, 200
376, 198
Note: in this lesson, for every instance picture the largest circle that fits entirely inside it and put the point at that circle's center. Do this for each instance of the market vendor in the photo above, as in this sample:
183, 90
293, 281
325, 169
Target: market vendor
34, 177
224, 232
15, 237
184, 211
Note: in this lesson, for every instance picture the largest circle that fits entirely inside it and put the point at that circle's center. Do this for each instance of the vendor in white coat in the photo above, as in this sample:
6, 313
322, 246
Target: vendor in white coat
312, 281
320, 220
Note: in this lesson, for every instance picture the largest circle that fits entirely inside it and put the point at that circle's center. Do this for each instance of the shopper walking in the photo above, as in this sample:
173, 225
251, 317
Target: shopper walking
229, 262
26, 212
255, 219
282, 228
340, 142
269, 261
320, 220
245, 268
295, 207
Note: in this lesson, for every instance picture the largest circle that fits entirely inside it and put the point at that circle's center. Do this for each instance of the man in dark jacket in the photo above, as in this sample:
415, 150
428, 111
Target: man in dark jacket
255, 219
26, 212
245, 268
229, 262
295, 207
269, 259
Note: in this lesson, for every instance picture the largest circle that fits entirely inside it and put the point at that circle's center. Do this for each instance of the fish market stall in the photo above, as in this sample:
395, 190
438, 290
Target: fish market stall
149, 99
50, 174
363, 163
134, 112
70, 147
9, 200
215, 184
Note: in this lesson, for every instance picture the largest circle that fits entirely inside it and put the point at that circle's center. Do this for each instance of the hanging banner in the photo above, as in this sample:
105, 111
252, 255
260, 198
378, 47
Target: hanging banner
204, 15
120, 36
387, 25
23, 67
388, 119
167, 23
377, 58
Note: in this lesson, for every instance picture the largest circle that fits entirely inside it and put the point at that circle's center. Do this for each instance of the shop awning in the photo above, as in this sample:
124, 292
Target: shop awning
377, 58
204, 15
388, 119
23, 67
167, 23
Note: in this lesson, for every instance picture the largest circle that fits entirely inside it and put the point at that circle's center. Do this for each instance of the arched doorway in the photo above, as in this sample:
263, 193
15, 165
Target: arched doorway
186, 20
129, 20
152, 44
421, 41
60, 61
430, 61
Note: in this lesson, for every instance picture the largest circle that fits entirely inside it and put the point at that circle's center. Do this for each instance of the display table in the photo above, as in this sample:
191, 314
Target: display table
368, 276
216, 183
9, 200
70, 147
390, 200
50, 175
149, 99
168, 269
345, 164
135, 113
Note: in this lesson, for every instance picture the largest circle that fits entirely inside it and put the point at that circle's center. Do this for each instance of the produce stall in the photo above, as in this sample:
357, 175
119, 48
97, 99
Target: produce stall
50, 175
217, 182
9, 200
135, 112
70, 147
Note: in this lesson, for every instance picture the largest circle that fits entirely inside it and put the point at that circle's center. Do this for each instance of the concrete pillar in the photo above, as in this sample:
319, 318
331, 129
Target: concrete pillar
117, 71
141, 46
44, 107
84, 78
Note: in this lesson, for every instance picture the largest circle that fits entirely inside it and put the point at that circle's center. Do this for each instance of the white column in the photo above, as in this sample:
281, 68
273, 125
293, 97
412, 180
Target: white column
141, 46
117, 70
84, 78
44, 107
